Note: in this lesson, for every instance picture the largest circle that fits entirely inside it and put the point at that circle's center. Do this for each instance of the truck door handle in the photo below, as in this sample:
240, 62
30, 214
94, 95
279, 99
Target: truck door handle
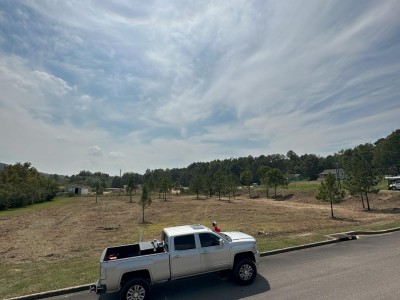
204, 252
177, 256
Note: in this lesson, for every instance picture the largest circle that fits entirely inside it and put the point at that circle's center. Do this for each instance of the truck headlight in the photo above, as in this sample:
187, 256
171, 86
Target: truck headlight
102, 273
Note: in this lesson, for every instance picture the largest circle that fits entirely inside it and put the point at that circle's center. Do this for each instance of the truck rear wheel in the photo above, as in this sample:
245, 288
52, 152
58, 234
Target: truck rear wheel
244, 271
136, 289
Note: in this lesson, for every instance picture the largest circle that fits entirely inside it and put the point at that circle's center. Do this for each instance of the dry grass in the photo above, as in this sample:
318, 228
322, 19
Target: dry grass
71, 233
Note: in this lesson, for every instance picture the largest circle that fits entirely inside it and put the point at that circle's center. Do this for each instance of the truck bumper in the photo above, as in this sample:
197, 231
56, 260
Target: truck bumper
98, 288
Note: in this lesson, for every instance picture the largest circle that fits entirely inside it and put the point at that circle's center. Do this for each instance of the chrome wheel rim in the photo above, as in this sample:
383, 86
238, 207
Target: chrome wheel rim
136, 292
245, 272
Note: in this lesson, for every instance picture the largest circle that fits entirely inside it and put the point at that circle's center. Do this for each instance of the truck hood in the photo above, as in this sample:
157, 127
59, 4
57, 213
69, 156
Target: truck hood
239, 236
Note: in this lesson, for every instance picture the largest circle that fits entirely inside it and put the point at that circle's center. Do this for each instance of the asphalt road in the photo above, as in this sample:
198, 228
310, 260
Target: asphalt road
367, 268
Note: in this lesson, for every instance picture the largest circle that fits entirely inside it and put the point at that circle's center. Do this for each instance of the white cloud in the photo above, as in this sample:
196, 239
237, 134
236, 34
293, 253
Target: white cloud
51, 83
115, 154
170, 83
95, 151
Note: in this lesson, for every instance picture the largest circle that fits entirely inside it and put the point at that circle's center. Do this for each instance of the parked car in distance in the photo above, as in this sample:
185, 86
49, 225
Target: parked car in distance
395, 185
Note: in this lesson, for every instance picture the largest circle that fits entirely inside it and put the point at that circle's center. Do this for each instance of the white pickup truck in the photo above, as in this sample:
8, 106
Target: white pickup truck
182, 251
395, 185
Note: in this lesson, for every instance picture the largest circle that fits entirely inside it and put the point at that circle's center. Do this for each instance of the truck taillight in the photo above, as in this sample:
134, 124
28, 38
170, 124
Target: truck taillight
102, 273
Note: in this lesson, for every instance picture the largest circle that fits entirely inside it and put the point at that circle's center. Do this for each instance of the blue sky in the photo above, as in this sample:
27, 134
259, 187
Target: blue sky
136, 85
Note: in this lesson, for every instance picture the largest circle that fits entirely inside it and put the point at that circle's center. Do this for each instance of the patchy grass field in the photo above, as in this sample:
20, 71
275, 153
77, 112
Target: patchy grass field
58, 244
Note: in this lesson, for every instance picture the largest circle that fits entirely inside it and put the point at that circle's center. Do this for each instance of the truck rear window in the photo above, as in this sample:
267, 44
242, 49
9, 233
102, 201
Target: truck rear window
184, 242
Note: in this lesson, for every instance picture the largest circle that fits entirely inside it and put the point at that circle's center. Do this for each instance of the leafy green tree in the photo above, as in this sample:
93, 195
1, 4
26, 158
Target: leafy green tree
22, 184
263, 171
197, 184
232, 183
98, 189
165, 186
294, 162
220, 183
310, 166
145, 199
116, 182
361, 175
276, 178
387, 154
329, 192
130, 187
246, 179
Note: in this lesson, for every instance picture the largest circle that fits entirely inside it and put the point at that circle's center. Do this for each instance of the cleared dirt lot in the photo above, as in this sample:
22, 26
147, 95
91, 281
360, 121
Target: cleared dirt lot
79, 227
58, 244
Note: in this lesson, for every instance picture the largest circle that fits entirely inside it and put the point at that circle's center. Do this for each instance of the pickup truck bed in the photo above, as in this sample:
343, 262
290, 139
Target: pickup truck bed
132, 250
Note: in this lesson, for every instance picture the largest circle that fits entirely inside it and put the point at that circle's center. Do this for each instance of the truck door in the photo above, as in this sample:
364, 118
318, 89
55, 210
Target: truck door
215, 254
185, 258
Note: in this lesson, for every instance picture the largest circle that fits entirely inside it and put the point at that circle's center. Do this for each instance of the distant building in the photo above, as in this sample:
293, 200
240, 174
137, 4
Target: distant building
78, 190
338, 173
294, 177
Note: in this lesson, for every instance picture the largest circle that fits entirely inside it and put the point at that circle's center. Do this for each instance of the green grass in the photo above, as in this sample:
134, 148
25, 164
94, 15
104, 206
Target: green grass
57, 202
273, 243
304, 185
28, 278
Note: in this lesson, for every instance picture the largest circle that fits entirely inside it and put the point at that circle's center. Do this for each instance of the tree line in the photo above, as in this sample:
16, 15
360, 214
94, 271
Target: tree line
363, 165
22, 184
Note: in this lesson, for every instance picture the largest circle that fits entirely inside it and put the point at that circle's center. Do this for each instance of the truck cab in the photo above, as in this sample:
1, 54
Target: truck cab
200, 251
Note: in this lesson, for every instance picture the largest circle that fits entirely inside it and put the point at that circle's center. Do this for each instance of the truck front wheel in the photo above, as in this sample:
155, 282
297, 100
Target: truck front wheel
244, 271
136, 289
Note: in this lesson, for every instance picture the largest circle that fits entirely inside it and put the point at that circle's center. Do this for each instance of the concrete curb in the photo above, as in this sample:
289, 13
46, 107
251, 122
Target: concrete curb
54, 293
336, 238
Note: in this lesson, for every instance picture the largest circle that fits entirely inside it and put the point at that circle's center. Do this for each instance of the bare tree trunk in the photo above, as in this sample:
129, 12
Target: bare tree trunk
366, 197
332, 210
362, 200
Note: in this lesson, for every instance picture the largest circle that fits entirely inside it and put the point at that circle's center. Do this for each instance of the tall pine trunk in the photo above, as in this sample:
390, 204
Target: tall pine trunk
362, 200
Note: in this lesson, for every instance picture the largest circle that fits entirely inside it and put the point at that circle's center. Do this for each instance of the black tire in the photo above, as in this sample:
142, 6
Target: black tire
244, 271
393, 188
135, 289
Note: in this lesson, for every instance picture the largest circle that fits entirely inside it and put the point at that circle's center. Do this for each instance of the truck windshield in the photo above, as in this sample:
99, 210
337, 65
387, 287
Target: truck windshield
224, 236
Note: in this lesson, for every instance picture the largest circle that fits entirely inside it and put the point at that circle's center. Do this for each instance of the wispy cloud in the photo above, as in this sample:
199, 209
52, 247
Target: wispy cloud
109, 85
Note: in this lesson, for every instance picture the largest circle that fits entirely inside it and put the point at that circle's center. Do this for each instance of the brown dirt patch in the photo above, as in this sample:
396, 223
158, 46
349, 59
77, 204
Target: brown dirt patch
83, 228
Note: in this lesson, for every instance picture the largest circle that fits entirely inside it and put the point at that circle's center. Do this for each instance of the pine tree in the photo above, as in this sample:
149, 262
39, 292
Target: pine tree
145, 199
329, 192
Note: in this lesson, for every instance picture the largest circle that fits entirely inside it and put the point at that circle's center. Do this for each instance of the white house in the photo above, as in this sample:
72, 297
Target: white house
339, 174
